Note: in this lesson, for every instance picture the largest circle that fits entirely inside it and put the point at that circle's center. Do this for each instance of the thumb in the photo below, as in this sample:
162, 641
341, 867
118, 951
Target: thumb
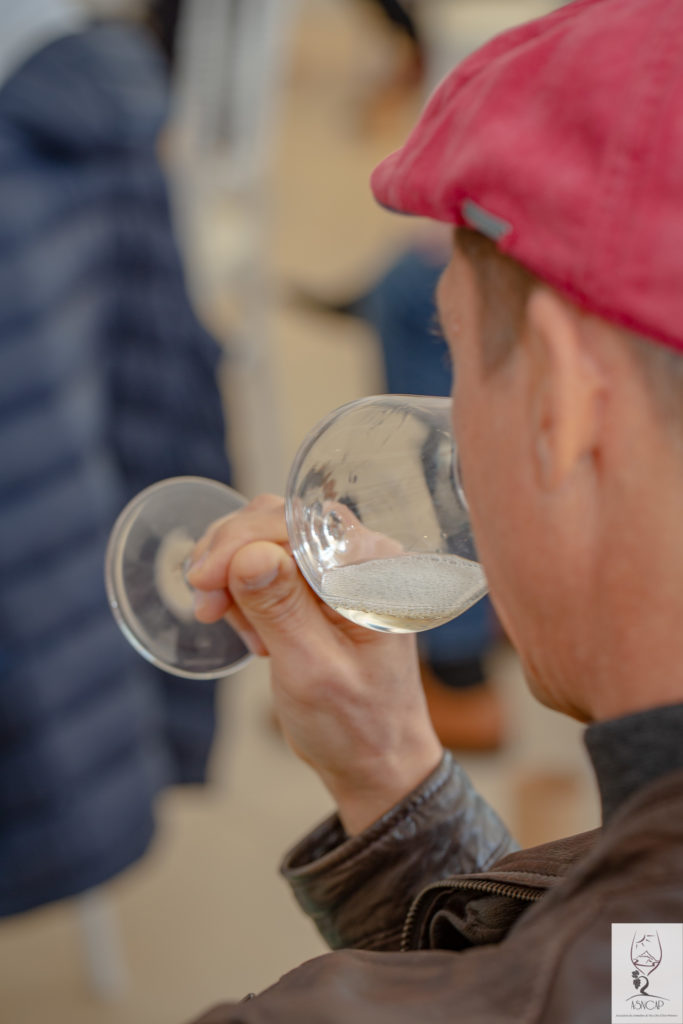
272, 594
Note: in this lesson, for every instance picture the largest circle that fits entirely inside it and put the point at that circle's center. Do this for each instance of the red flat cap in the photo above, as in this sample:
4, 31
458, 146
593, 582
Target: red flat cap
562, 140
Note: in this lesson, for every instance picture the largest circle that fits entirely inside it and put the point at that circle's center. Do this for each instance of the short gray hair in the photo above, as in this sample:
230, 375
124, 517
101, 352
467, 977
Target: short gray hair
504, 287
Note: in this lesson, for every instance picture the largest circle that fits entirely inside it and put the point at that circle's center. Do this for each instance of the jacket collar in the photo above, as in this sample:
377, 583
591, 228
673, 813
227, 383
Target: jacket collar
631, 751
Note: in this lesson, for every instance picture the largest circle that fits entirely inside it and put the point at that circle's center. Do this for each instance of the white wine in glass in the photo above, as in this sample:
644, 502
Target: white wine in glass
406, 593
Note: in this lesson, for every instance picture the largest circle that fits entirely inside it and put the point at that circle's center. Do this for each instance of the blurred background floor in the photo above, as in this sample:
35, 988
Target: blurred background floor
205, 916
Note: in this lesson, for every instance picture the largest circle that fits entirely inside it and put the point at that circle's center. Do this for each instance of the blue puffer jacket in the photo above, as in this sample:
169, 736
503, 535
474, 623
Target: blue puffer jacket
106, 384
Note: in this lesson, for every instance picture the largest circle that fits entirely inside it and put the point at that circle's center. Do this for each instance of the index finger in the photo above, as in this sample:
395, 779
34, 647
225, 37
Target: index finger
262, 519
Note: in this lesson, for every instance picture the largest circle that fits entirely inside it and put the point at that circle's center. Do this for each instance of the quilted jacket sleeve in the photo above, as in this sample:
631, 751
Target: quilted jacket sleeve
106, 383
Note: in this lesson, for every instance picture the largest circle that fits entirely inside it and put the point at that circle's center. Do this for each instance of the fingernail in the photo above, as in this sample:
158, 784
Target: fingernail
264, 579
192, 566
196, 562
198, 601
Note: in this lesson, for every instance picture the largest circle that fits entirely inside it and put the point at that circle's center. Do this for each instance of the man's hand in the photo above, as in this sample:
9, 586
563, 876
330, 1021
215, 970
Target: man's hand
349, 699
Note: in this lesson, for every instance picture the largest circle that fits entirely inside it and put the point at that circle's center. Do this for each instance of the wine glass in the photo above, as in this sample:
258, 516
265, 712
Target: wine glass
377, 522
646, 951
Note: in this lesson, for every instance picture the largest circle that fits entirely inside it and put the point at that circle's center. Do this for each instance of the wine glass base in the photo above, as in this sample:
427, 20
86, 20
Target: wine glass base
145, 578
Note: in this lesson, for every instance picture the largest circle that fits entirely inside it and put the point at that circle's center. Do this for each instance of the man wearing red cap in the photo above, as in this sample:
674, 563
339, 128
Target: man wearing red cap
557, 152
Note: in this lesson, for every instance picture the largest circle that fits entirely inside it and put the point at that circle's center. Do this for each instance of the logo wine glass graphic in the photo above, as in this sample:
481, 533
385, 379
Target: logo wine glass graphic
646, 956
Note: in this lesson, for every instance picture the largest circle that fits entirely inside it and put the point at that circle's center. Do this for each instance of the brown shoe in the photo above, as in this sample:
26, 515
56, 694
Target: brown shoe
468, 718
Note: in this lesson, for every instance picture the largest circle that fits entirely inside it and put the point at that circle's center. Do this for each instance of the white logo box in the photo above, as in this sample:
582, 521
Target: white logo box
647, 973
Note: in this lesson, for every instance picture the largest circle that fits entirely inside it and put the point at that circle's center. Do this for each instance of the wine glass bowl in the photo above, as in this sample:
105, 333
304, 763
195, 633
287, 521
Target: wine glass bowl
646, 951
376, 516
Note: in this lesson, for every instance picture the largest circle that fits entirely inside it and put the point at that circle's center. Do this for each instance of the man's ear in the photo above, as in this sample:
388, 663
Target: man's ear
565, 386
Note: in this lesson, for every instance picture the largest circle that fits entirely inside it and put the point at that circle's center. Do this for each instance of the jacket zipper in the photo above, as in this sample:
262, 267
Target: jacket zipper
509, 889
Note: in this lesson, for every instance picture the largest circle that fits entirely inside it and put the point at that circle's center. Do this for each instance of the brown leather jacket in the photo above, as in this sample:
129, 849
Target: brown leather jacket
523, 938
